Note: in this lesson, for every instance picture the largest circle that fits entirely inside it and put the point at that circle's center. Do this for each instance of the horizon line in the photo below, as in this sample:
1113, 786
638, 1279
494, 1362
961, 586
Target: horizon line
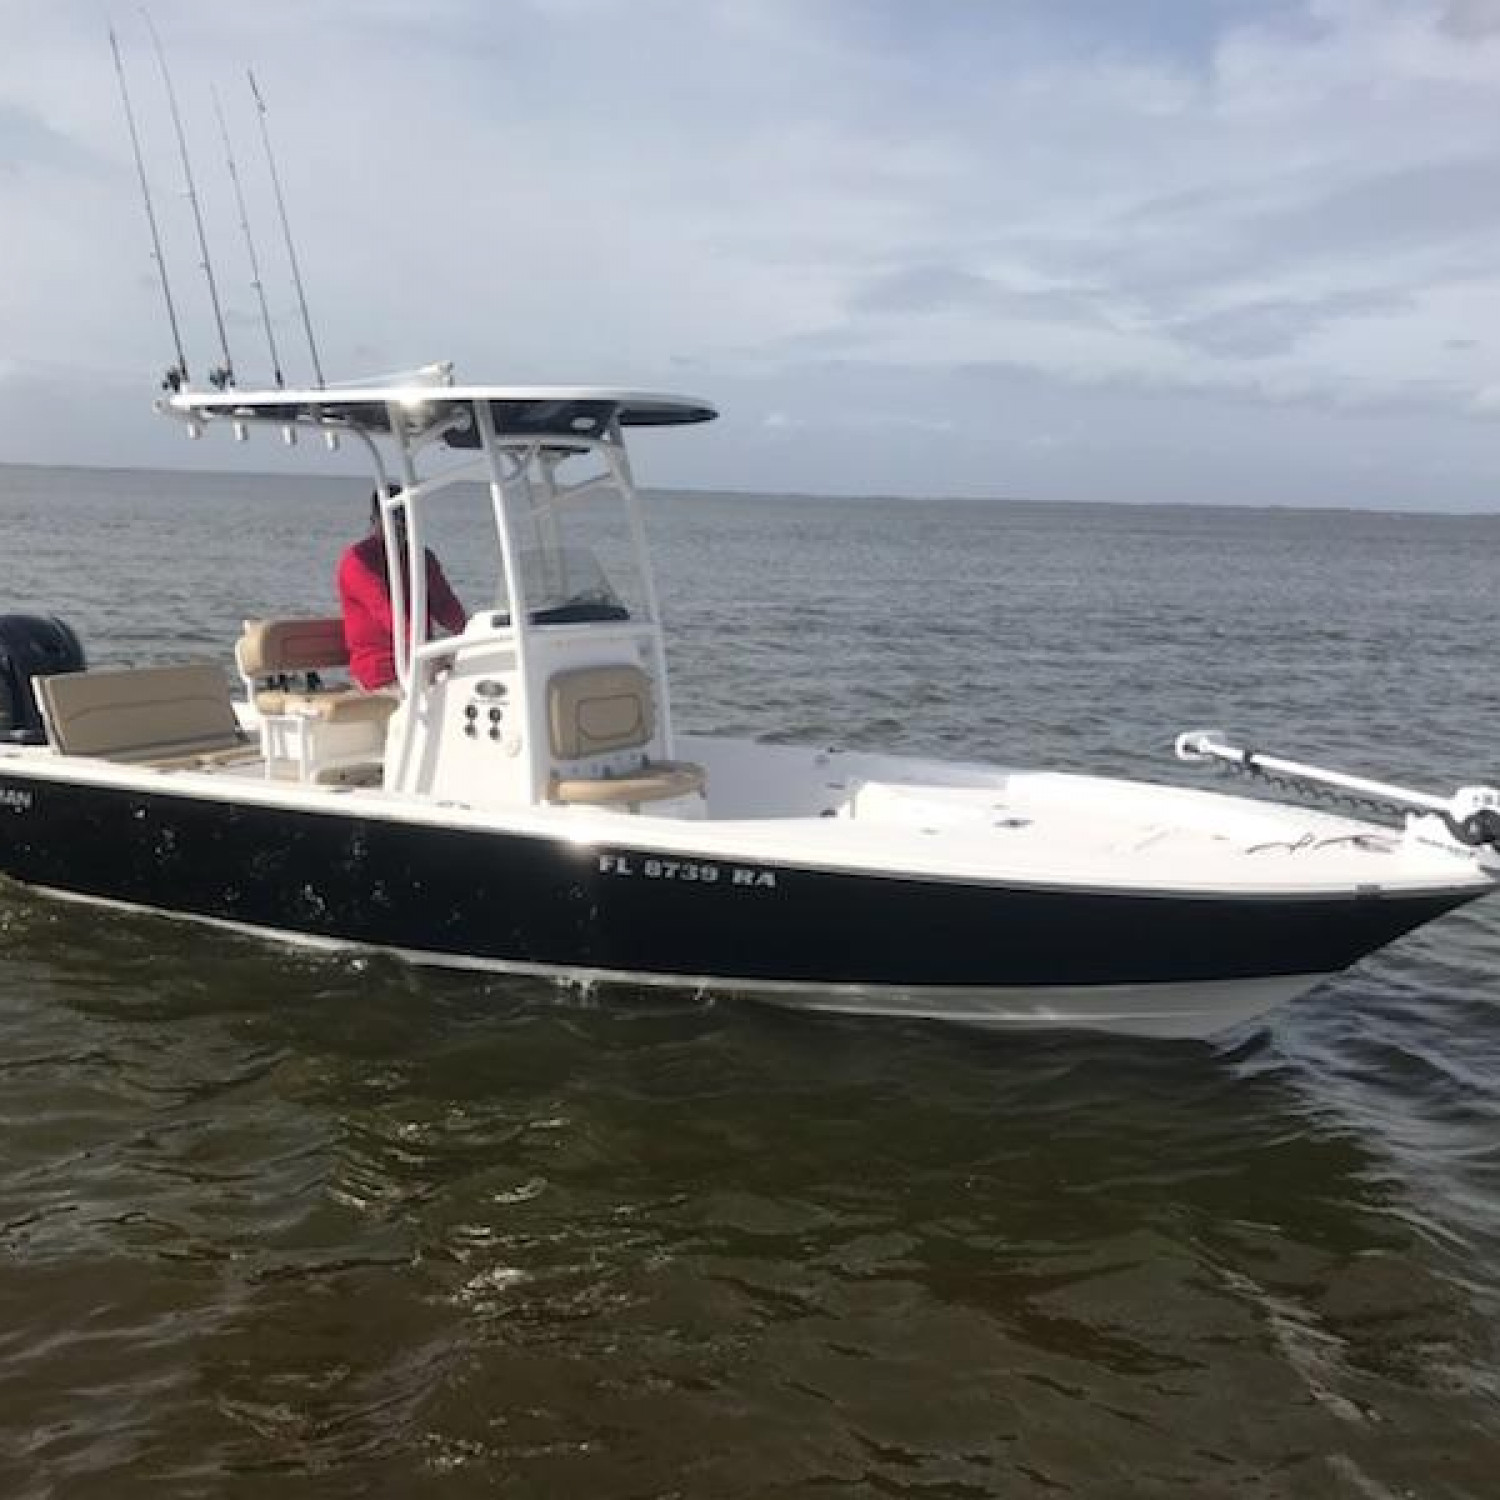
842, 496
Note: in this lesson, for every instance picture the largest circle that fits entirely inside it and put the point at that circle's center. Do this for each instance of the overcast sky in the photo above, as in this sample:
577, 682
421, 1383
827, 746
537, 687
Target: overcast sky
1189, 250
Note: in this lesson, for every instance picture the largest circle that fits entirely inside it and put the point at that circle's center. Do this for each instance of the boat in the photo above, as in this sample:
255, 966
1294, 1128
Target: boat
523, 801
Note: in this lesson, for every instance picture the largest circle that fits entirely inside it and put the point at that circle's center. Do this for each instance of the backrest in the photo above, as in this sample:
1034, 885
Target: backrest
275, 648
595, 710
139, 713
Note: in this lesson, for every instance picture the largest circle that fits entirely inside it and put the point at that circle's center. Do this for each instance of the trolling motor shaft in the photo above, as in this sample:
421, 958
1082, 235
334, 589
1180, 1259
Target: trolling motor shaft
1471, 814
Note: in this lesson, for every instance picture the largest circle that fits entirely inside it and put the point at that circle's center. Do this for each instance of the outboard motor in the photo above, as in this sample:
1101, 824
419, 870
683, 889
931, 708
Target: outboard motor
31, 646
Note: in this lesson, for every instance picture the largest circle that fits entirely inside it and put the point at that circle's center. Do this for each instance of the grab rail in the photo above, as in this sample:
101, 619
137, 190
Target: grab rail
1472, 813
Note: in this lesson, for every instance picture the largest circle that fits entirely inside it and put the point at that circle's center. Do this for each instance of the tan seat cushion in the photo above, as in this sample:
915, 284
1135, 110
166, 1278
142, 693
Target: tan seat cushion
364, 773
336, 705
241, 754
597, 710
271, 648
653, 782
141, 713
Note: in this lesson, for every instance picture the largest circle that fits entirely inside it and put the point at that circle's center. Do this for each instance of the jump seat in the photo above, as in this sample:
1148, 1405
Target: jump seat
173, 718
331, 734
280, 661
595, 717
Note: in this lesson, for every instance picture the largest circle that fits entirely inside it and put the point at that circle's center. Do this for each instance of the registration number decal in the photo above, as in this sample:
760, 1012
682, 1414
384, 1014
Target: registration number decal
16, 799
635, 866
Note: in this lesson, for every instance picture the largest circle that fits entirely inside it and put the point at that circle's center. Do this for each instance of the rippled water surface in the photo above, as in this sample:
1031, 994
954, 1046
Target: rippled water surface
280, 1225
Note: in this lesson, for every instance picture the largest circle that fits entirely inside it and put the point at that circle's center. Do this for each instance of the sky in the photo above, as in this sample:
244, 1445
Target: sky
1195, 251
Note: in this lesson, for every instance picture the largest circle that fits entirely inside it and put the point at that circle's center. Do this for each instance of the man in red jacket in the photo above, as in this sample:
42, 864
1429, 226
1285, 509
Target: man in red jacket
365, 593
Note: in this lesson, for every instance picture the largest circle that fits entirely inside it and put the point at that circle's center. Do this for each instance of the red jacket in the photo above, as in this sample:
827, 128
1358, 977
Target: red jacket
364, 592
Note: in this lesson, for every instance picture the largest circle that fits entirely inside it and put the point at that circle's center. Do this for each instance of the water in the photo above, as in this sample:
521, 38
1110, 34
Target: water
279, 1225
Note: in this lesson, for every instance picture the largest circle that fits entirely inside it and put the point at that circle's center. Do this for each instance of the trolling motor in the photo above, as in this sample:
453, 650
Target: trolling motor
1471, 815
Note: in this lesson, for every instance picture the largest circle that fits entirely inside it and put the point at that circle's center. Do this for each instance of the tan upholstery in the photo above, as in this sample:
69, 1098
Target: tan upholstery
653, 782
246, 750
158, 715
335, 705
597, 710
594, 711
361, 773
273, 648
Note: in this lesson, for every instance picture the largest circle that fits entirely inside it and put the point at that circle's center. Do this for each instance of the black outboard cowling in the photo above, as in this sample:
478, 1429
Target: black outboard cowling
31, 646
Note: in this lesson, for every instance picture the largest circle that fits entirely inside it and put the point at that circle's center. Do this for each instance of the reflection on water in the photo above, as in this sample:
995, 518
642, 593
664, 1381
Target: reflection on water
273, 1223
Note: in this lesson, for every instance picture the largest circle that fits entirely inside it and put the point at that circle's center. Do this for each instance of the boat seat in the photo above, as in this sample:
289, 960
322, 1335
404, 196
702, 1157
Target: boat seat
170, 717
655, 781
271, 653
364, 773
333, 705
324, 731
282, 648
604, 712
597, 710
246, 752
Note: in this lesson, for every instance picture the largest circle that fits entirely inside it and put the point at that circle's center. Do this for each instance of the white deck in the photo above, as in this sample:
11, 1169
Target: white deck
899, 817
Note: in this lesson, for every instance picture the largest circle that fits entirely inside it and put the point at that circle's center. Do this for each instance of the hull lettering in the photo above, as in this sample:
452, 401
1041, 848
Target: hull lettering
686, 871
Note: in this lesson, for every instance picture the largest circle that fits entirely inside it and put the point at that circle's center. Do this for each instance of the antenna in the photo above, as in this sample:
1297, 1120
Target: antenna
286, 230
224, 376
255, 281
177, 376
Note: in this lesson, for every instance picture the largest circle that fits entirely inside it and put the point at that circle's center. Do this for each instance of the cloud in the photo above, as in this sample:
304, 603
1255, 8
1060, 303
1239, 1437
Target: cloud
29, 143
935, 288
925, 288
1471, 19
1255, 330
1263, 205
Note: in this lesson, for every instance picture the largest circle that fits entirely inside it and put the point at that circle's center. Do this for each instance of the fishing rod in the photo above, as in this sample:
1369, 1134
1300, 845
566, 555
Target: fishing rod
177, 376
286, 230
255, 281
224, 376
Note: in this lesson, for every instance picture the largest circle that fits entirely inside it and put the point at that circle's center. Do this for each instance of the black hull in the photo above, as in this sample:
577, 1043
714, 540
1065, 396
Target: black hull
522, 900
